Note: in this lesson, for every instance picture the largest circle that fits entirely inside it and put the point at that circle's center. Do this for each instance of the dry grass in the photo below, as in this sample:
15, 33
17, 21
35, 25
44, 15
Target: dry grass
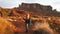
5, 28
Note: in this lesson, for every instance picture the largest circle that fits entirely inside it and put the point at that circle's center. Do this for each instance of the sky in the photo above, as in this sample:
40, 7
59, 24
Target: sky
14, 3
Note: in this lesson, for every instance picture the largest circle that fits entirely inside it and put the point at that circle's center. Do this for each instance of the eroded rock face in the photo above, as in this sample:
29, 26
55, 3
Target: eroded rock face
35, 7
40, 24
39, 9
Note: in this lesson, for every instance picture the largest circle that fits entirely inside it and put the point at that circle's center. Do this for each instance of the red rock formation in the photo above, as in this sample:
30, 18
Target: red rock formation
41, 17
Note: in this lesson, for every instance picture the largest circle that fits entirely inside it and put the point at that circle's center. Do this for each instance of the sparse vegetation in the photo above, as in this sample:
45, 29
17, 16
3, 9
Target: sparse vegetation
5, 12
5, 28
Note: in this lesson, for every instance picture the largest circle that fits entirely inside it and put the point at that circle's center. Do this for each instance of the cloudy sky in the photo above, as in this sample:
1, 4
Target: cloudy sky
14, 3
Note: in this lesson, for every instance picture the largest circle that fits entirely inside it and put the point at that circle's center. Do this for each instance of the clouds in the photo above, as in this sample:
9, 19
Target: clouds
8, 3
12, 3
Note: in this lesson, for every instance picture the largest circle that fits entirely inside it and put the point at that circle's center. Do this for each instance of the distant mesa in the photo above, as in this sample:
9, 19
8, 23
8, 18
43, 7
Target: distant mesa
39, 9
35, 8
